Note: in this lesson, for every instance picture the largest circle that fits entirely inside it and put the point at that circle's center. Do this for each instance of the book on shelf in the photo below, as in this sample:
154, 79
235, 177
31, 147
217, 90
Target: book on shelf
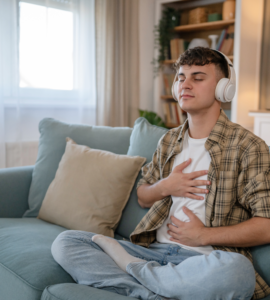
182, 115
168, 82
174, 118
221, 39
166, 112
227, 45
173, 114
177, 47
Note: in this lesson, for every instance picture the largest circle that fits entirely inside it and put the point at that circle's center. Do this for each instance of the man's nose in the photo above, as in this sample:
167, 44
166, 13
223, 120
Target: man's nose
186, 84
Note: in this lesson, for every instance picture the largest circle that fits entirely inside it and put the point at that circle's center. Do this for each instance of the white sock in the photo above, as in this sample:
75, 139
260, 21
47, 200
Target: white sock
115, 251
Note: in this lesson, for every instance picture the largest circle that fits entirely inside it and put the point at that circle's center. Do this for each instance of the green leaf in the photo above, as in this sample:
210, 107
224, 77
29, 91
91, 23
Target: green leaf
163, 34
152, 118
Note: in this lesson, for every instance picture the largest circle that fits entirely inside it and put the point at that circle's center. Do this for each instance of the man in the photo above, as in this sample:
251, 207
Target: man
207, 188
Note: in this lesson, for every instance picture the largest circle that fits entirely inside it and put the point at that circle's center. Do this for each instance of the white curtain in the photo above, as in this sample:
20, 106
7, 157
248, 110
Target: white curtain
117, 60
24, 104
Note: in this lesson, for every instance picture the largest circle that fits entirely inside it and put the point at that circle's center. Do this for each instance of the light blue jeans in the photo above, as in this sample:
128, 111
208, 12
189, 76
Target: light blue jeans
170, 270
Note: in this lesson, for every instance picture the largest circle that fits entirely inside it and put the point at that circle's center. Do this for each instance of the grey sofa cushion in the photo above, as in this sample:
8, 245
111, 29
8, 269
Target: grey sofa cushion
14, 190
52, 144
261, 261
69, 291
143, 142
26, 263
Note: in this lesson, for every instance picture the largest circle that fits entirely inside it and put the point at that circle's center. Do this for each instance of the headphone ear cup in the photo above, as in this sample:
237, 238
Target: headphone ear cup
230, 92
220, 89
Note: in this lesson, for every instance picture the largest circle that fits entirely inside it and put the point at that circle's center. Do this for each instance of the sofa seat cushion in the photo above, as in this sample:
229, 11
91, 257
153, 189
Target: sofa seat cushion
26, 263
73, 291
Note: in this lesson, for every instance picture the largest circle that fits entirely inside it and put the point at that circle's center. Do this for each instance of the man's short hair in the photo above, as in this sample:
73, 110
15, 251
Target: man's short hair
201, 56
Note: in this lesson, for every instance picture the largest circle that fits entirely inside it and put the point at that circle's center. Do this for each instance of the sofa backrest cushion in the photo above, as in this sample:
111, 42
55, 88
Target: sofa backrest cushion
52, 143
90, 189
143, 142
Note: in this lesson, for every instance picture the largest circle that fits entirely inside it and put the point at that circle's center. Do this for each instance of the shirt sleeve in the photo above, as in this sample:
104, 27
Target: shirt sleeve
254, 181
151, 171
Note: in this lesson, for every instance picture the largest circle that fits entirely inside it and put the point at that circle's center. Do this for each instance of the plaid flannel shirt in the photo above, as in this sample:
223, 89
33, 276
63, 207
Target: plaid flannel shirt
240, 183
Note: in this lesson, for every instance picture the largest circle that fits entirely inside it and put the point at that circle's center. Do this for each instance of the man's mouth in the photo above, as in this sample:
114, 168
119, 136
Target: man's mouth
186, 96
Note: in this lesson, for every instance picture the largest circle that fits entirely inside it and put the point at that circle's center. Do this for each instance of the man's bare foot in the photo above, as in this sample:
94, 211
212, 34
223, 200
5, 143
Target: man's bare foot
115, 251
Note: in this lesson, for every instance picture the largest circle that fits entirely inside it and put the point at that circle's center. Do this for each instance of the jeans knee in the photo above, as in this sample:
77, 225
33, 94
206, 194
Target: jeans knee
67, 242
58, 246
246, 273
238, 274
61, 245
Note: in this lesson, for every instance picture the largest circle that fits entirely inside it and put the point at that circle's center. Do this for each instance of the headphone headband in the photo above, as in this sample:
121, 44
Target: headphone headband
230, 65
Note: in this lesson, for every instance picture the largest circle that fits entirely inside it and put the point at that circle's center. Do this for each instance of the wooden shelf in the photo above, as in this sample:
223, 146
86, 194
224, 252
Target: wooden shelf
204, 26
169, 61
167, 97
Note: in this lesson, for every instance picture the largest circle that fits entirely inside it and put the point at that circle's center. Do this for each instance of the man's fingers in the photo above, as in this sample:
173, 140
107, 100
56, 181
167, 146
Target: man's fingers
183, 165
175, 240
197, 174
199, 182
198, 191
172, 234
188, 212
192, 196
172, 228
176, 221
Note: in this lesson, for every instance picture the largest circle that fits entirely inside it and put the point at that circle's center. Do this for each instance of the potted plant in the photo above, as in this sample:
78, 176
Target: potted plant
152, 118
163, 34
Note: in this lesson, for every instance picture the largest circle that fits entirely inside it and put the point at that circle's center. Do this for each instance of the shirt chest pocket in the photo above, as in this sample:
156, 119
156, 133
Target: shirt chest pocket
227, 189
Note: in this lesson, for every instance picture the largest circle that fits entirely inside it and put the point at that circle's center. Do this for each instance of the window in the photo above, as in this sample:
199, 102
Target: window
47, 53
45, 47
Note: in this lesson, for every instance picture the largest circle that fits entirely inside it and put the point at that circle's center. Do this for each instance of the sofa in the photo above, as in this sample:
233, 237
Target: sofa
27, 268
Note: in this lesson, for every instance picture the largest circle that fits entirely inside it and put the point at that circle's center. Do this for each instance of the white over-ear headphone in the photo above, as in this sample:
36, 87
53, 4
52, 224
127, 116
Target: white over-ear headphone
225, 89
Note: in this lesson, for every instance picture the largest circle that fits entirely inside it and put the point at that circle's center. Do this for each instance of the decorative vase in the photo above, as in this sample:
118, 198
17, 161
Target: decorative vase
228, 10
213, 38
198, 43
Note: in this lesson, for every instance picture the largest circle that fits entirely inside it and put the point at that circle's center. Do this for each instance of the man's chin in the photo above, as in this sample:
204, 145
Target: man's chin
190, 109
187, 105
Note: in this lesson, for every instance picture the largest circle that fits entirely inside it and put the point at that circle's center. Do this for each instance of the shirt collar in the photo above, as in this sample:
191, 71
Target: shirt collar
217, 135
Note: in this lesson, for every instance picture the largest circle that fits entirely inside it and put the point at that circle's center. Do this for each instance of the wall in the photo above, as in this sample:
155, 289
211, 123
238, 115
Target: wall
247, 54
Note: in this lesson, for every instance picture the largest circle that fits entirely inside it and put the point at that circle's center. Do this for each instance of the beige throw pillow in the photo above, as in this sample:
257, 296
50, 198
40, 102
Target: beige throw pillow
90, 189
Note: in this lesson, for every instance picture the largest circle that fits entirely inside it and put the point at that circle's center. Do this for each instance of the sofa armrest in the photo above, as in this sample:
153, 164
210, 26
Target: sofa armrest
14, 189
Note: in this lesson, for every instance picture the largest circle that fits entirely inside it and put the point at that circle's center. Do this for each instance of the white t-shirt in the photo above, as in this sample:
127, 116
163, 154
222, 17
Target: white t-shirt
194, 149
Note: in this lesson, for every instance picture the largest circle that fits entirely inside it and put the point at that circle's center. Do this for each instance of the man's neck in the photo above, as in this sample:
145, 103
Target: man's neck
202, 123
